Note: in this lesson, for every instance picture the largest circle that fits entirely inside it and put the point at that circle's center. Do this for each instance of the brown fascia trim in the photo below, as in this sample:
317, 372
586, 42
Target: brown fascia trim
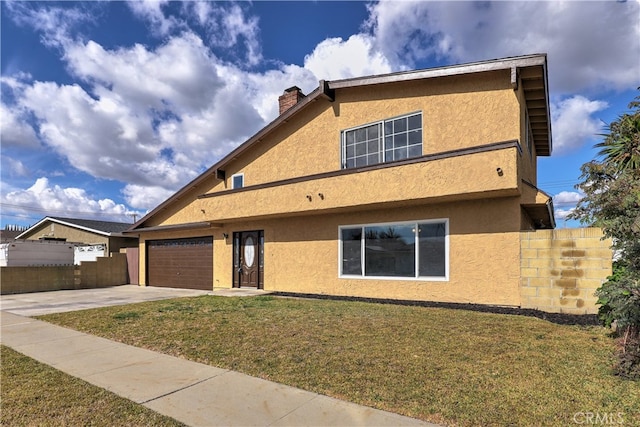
190, 225
549, 202
546, 94
326, 91
122, 234
452, 70
524, 181
551, 210
428, 158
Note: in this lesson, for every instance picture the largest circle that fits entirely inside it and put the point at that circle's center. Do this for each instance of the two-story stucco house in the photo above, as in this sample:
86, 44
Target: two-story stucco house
411, 185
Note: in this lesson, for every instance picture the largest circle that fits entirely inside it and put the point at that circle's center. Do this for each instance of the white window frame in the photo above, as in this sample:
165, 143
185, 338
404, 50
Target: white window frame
233, 180
381, 139
417, 278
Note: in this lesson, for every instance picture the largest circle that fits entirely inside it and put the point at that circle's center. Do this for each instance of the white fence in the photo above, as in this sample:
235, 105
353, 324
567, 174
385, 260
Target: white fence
25, 253
88, 252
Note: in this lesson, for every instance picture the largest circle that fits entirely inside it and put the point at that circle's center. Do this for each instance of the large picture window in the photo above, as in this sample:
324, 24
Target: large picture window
385, 141
413, 250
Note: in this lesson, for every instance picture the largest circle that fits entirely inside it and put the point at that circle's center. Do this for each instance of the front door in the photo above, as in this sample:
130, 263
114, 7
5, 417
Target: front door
248, 254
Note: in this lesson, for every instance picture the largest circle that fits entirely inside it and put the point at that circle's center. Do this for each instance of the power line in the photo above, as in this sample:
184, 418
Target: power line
20, 216
14, 207
567, 181
40, 213
558, 184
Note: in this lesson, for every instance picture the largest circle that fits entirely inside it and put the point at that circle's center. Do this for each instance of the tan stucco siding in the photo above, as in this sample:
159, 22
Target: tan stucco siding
304, 146
301, 254
179, 204
454, 178
458, 112
60, 231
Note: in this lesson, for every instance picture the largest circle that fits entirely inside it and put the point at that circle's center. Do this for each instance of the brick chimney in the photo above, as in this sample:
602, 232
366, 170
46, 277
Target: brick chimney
289, 98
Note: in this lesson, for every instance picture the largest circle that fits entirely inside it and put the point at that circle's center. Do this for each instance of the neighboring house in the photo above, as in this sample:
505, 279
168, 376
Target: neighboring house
90, 238
10, 232
411, 185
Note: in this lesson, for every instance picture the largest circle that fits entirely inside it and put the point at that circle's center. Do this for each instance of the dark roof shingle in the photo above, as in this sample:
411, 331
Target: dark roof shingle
104, 226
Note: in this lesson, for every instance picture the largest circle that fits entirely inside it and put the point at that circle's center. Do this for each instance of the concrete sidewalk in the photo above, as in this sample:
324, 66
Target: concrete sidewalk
192, 393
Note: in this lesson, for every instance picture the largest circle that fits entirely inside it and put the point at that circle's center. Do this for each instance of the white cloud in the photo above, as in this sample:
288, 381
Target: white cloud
573, 124
14, 166
151, 11
226, 25
153, 118
567, 197
146, 121
101, 137
54, 22
405, 31
334, 59
236, 26
145, 197
562, 214
178, 75
602, 53
565, 203
14, 129
55, 200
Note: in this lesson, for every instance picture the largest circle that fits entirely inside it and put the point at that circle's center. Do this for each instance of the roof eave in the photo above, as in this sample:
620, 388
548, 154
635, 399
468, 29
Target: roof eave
319, 92
68, 224
451, 70
19, 236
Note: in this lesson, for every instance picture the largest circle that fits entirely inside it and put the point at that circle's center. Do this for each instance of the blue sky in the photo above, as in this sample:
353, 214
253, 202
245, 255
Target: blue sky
110, 107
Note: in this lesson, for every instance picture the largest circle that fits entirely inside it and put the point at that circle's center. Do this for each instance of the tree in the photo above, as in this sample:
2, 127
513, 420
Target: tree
621, 146
612, 201
612, 186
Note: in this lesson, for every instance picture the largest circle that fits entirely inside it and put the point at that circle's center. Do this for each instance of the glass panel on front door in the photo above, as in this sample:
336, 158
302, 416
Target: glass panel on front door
248, 251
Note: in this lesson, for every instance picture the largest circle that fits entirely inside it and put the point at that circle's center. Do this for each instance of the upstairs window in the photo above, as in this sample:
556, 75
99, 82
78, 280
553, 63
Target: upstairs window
237, 181
385, 141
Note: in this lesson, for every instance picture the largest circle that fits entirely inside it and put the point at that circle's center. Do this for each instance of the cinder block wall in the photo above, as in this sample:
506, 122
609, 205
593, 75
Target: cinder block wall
16, 280
111, 271
104, 272
561, 269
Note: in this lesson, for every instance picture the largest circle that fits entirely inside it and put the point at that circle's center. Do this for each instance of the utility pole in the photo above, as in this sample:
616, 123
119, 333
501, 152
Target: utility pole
135, 217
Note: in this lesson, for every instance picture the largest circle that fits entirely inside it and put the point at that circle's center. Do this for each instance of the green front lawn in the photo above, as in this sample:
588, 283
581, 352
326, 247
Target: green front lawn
440, 365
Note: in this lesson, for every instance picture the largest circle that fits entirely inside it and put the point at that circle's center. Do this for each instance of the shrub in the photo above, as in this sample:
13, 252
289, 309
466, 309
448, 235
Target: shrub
619, 300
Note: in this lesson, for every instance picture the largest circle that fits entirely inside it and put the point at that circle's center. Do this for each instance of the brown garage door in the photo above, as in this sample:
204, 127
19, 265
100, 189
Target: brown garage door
181, 263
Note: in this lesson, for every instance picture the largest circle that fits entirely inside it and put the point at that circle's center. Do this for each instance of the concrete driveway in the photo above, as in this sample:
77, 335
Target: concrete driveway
39, 303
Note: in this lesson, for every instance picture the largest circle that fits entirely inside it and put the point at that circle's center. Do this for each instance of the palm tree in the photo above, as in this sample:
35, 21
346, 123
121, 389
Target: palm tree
621, 146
